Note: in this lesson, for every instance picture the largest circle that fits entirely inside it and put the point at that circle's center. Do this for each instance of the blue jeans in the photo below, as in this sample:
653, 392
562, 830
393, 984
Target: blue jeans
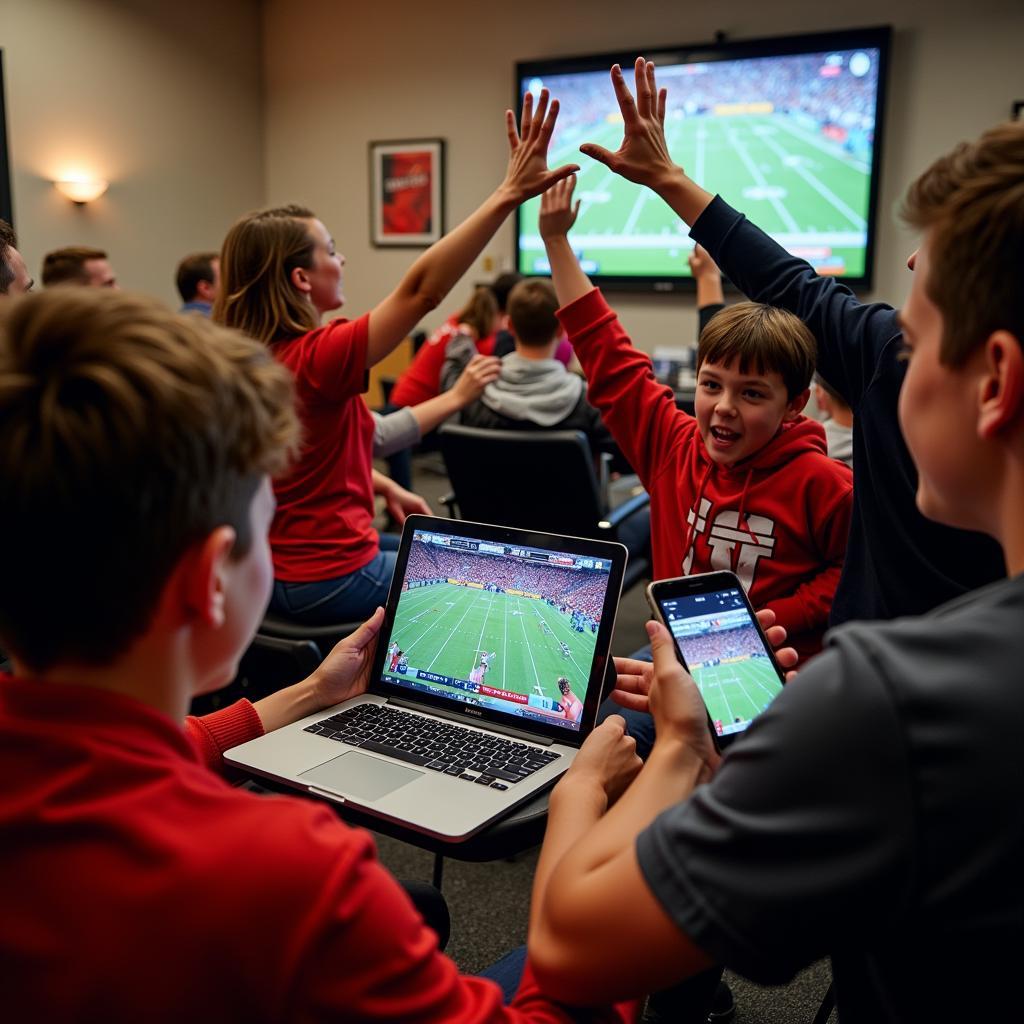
349, 598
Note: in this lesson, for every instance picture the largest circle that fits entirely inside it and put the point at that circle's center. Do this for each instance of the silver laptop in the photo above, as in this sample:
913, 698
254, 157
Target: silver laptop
486, 680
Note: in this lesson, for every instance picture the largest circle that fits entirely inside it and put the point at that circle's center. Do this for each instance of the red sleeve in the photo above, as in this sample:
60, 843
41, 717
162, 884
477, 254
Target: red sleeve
640, 413
212, 734
373, 958
809, 606
330, 362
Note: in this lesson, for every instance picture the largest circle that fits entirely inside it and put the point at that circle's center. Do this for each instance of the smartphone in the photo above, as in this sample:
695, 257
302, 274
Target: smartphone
719, 641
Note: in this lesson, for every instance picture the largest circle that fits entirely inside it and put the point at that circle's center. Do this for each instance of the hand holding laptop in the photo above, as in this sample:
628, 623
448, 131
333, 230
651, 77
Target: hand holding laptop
344, 673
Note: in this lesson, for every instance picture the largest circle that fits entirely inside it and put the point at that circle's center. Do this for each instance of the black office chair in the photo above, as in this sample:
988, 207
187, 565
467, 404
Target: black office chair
542, 480
269, 664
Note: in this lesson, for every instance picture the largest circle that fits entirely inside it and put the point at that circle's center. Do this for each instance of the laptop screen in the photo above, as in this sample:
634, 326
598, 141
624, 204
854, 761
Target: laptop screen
508, 627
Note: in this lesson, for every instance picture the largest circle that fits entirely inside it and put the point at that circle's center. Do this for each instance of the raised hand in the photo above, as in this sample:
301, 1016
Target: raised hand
702, 265
528, 173
557, 210
643, 156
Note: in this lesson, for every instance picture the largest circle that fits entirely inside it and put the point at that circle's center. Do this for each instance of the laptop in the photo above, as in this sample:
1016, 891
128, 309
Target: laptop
486, 680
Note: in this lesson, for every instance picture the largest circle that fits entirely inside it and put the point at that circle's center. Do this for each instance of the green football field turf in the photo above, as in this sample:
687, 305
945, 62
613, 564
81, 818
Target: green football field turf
788, 179
740, 689
443, 628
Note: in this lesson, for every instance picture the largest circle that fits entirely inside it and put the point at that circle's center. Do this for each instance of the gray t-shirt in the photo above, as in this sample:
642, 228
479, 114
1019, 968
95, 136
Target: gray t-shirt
874, 813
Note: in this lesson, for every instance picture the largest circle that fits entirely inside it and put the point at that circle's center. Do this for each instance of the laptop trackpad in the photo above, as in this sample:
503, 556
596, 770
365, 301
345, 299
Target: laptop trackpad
360, 775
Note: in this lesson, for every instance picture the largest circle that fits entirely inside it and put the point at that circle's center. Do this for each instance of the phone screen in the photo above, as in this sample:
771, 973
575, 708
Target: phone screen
723, 649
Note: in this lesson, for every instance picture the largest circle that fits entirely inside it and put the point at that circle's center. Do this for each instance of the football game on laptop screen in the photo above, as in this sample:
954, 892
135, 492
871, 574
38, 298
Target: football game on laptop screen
506, 627
725, 655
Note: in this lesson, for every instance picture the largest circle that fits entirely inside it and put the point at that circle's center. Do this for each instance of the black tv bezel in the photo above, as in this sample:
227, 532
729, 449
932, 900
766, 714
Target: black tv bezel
879, 36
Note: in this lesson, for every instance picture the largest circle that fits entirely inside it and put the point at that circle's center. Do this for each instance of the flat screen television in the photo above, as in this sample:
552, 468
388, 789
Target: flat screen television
788, 130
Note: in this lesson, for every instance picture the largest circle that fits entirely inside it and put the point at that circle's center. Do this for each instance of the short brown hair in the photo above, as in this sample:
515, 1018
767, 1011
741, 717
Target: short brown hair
971, 202
531, 312
256, 260
191, 270
763, 339
8, 240
127, 434
63, 266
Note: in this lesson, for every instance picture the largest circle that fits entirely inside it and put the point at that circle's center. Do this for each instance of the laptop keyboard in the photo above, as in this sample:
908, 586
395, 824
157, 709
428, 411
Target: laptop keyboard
478, 757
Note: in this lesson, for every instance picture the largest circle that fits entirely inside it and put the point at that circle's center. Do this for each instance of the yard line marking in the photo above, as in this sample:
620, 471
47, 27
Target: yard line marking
634, 214
469, 606
571, 658
536, 676
760, 179
482, 628
819, 186
504, 649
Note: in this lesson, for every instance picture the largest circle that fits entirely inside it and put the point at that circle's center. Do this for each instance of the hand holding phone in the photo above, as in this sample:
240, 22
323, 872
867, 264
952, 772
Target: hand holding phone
718, 639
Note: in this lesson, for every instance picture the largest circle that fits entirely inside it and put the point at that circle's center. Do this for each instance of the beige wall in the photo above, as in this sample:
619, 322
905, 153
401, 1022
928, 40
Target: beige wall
344, 74
164, 100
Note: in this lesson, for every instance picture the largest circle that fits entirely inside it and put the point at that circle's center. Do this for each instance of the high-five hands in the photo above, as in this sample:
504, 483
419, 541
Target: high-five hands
528, 173
643, 156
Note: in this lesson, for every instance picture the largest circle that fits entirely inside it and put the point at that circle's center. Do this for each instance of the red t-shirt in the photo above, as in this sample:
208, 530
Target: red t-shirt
323, 528
137, 885
421, 380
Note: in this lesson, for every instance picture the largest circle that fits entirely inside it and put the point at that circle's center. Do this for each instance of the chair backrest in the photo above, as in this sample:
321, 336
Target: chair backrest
539, 480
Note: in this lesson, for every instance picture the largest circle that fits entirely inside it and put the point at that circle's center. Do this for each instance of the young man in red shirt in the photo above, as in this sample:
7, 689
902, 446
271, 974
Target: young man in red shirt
136, 452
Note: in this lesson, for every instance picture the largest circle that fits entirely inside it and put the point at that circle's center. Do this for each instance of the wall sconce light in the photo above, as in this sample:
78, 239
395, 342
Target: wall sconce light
82, 191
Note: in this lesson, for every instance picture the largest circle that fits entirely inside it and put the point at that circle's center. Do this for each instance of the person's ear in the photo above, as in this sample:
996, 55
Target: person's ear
299, 278
1001, 390
795, 406
206, 584
205, 291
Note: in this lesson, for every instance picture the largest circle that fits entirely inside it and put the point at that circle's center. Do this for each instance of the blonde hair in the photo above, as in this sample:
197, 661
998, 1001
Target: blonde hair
763, 339
127, 433
972, 203
256, 260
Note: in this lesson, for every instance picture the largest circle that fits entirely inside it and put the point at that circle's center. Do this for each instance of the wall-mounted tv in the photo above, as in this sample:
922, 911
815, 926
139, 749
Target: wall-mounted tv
788, 130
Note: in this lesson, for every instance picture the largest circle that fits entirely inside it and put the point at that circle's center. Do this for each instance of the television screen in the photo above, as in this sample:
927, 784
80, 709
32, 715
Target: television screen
787, 130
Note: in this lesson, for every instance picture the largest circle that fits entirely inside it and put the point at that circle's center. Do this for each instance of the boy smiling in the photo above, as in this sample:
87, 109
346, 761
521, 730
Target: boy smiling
746, 484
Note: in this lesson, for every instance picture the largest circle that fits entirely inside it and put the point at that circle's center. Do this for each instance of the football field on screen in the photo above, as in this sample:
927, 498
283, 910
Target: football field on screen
790, 180
444, 627
741, 689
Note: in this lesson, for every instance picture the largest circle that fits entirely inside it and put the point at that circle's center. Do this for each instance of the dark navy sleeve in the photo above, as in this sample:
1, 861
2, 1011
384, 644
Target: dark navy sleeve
852, 336
801, 843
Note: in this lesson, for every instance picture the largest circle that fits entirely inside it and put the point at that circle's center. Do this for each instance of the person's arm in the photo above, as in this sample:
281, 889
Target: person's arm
394, 431
602, 904
709, 282
851, 335
434, 274
640, 413
400, 502
807, 608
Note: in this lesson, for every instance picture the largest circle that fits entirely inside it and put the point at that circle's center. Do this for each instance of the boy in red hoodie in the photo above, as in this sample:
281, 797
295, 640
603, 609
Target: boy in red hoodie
746, 484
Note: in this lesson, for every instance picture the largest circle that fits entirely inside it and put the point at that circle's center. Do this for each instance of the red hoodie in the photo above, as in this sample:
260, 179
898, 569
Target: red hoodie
778, 519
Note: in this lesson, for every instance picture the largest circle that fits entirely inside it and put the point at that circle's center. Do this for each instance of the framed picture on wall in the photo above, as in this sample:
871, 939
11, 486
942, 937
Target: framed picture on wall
407, 192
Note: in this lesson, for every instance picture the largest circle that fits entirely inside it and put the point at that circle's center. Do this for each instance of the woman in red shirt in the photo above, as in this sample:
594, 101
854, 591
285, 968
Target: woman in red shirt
280, 271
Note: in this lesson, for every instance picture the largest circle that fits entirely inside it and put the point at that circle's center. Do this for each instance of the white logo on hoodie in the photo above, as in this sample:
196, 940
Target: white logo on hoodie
732, 548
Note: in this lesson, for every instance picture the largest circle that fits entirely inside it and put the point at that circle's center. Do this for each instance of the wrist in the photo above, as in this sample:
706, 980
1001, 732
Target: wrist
581, 789
673, 751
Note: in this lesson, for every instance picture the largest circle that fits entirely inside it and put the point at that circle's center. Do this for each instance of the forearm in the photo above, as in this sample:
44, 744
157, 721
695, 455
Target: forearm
435, 273
574, 809
290, 704
567, 275
435, 411
709, 290
683, 195
382, 485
